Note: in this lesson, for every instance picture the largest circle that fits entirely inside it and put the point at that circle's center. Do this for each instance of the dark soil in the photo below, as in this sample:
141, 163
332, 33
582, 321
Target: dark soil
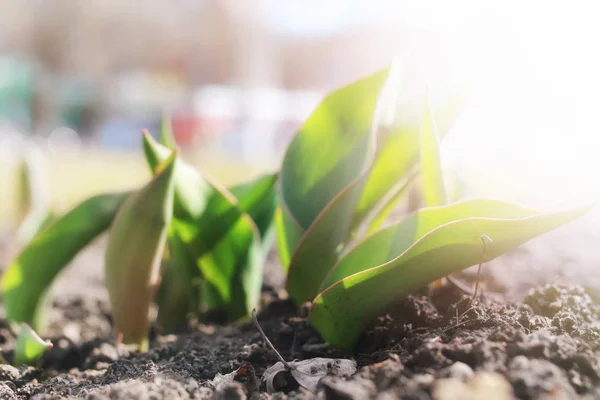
433, 344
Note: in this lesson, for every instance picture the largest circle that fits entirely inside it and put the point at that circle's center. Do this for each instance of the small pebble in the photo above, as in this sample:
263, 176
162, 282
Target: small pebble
519, 363
109, 351
6, 392
490, 386
72, 331
230, 391
450, 389
338, 388
423, 379
460, 371
388, 395
482, 385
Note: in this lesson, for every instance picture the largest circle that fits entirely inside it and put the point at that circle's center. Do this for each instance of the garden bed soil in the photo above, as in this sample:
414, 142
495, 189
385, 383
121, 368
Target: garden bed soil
436, 344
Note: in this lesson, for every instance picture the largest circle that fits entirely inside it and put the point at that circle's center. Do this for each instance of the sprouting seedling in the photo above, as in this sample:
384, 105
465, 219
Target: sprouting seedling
134, 251
484, 240
352, 168
227, 227
307, 373
30, 346
465, 287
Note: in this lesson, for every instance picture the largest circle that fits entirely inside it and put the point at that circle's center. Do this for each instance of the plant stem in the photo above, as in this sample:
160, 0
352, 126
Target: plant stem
483, 240
255, 320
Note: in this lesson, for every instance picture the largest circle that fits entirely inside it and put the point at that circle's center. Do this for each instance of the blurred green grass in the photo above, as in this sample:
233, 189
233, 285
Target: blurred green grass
74, 177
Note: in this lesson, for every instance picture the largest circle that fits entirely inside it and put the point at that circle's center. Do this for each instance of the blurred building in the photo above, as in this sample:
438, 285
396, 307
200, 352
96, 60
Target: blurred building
107, 67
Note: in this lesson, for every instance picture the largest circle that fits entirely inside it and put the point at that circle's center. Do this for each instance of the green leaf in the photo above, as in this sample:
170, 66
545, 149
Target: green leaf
321, 245
199, 201
342, 162
322, 178
333, 147
30, 347
223, 240
166, 137
234, 267
258, 199
425, 247
388, 204
134, 251
33, 224
398, 152
289, 234
179, 292
388, 243
173, 304
434, 191
28, 277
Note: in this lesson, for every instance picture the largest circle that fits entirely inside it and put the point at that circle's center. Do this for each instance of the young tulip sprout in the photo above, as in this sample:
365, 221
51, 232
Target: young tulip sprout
339, 182
134, 251
484, 240
336, 171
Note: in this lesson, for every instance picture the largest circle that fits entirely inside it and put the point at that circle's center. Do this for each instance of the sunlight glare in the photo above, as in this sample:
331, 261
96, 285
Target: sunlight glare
530, 132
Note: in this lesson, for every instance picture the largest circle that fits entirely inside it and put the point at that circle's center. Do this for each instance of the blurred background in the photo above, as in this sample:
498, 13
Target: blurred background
80, 79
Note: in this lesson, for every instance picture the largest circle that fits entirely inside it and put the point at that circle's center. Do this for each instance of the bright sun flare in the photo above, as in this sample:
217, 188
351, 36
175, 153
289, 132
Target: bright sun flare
531, 127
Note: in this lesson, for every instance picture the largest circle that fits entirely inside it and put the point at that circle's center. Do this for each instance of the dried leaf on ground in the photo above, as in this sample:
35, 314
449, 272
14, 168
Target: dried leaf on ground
309, 372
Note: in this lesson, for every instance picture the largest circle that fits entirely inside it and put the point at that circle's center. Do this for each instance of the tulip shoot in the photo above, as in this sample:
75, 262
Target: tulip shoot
134, 251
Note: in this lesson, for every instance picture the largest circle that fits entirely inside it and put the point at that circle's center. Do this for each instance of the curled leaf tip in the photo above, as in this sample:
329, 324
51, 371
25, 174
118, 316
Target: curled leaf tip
30, 346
